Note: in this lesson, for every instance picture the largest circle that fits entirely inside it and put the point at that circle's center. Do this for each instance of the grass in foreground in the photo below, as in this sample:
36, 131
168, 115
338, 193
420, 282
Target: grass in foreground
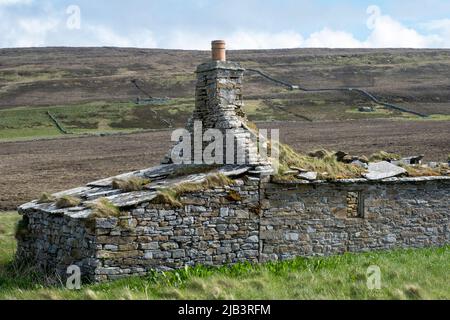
406, 274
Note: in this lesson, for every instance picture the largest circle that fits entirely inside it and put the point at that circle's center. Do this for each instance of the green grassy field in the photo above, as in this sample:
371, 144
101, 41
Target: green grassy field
405, 274
95, 117
113, 117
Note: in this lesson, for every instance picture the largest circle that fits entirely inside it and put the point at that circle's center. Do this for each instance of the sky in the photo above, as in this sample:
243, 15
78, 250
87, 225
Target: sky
244, 24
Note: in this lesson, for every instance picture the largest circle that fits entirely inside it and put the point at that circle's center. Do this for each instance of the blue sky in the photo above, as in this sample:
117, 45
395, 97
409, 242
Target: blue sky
245, 24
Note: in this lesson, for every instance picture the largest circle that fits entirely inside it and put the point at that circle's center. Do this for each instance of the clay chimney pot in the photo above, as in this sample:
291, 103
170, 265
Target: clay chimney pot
218, 50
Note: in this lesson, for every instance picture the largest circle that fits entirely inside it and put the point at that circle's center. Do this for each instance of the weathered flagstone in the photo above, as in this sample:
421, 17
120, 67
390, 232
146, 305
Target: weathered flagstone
383, 170
131, 198
310, 176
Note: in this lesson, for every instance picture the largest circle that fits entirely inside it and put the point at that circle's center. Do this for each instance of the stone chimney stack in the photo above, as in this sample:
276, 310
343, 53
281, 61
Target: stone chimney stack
219, 103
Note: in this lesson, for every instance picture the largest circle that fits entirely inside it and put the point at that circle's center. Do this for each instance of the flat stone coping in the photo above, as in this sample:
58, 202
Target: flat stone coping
92, 192
160, 177
362, 180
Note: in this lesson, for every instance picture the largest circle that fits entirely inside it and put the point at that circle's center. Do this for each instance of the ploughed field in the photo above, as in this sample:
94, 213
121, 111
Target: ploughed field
29, 168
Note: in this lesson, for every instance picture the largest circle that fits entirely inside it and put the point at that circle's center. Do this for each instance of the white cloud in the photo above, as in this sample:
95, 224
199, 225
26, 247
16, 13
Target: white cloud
388, 32
34, 32
107, 37
264, 40
442, 27
331, 39
49, 29
14, 2
24, 32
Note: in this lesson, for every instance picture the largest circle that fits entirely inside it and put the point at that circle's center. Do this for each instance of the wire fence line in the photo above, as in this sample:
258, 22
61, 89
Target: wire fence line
279, 82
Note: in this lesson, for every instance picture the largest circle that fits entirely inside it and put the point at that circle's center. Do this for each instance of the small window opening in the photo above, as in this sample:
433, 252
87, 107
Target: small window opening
355, 204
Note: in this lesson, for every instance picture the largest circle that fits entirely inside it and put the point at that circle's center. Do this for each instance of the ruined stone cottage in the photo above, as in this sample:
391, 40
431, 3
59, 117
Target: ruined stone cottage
176, 215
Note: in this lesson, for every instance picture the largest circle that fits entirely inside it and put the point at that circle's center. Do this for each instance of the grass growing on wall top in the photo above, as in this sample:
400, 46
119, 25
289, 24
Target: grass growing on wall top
171, 196
131, 184
327, 167
405, 274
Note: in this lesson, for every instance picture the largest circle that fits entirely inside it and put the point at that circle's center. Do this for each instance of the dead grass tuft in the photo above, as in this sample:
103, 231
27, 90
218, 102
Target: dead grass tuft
192, 169
421, 171
322, 154
252, 126
46, 198
384, 156
413, 292
211, 182
234, 196
131, 184
103, 208
67, 202
327, 166
169, 197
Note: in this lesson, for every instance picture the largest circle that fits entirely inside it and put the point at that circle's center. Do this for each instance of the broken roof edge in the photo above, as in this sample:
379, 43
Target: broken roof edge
136, 198
100, 189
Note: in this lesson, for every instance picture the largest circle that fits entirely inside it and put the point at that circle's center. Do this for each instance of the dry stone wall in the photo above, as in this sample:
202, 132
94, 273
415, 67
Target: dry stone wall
53, 242
326, 218
253, 220
214, 227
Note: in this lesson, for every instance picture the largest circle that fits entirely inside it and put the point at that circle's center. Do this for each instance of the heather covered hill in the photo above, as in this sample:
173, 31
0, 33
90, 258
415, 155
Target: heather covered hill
56, 76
